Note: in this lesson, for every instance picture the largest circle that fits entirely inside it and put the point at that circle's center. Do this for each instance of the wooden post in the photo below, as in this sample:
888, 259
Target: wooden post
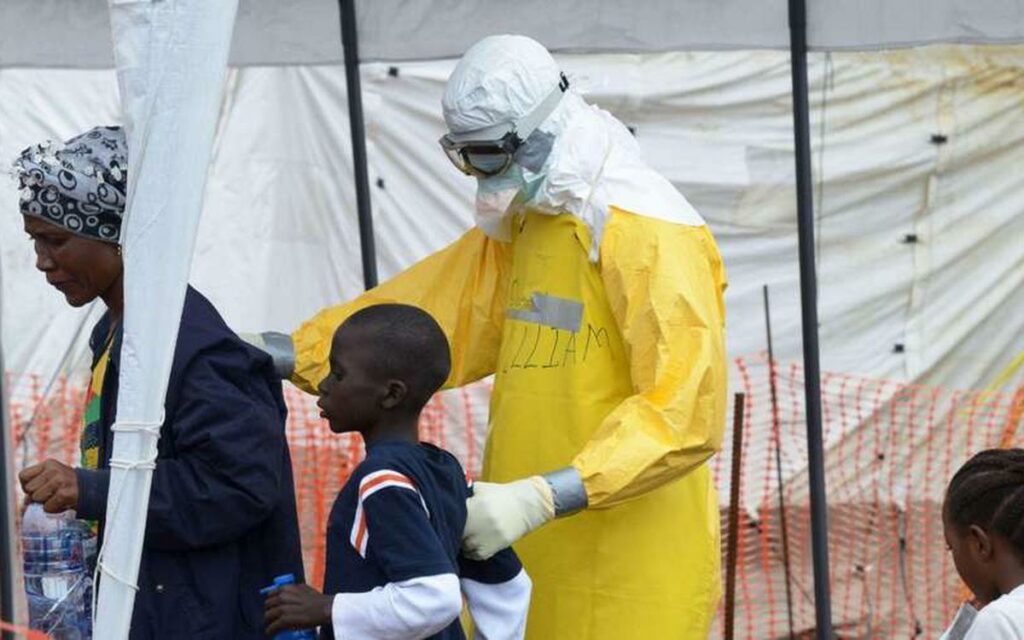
734, 517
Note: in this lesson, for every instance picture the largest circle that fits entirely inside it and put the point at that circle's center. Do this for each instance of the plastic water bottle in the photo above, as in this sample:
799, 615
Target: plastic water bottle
300, 634
57, 584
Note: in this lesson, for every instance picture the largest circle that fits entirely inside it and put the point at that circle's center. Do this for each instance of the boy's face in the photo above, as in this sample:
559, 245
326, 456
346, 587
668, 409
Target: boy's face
351, 394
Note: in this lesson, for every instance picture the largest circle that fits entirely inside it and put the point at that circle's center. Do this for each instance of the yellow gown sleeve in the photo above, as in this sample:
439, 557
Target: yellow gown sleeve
665, 284
463, 286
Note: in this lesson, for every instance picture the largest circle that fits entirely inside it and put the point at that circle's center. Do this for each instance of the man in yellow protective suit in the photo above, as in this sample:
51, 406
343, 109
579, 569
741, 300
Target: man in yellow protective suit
592, 290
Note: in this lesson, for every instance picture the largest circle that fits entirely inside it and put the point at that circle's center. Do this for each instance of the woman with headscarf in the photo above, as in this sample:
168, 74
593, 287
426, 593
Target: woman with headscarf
221, 521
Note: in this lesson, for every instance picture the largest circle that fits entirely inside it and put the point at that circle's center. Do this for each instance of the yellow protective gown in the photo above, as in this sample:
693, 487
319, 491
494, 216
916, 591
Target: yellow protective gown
634, 399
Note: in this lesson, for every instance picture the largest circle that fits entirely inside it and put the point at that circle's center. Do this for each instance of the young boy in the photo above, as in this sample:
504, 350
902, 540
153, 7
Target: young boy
393, 538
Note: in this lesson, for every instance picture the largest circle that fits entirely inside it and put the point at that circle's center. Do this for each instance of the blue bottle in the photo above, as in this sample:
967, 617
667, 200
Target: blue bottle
300, 634
57, 584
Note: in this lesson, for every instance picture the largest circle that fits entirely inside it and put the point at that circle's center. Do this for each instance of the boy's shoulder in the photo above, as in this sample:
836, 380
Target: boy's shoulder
399, 456
442, 457
417, 463
408, 456
380, 464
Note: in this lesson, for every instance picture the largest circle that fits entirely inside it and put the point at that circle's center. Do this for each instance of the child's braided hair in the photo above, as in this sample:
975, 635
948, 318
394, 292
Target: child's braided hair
988, 491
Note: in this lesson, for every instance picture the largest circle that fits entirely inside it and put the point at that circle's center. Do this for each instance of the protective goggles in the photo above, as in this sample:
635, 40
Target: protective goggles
485, 153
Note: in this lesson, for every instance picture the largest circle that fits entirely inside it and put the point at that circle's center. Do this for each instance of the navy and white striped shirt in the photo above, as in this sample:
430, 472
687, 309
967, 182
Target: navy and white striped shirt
401, 516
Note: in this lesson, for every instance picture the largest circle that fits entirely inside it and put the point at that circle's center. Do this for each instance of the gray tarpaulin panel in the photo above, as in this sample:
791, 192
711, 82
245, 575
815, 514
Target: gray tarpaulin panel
76, 33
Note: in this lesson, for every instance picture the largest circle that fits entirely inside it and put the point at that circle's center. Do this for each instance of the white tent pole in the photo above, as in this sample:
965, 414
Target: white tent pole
171, 60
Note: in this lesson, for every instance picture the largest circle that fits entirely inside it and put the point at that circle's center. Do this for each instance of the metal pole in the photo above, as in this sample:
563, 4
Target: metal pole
7, 571
809, 307
777, 437
732, 551
350, 45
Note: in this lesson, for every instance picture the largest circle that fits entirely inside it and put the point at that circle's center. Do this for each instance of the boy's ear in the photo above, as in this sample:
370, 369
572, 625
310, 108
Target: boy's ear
395, 394
980, 542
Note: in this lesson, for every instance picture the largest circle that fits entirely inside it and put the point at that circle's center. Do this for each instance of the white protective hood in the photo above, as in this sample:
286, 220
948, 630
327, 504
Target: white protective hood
580, 160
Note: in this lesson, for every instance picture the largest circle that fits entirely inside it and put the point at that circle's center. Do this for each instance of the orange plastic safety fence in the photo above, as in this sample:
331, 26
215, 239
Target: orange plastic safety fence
47, 425
890, 450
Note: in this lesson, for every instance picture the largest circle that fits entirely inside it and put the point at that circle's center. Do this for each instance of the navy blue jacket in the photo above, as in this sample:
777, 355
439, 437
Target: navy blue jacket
222, 520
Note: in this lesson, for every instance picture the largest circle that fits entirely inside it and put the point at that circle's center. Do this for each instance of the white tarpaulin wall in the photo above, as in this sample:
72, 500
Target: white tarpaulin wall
278, 238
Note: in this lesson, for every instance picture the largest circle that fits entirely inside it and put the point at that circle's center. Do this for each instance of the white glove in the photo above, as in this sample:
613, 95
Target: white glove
499, 514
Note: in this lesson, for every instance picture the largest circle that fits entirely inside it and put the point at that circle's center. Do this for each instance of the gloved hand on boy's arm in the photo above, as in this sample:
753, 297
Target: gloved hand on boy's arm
296, 606
498, 514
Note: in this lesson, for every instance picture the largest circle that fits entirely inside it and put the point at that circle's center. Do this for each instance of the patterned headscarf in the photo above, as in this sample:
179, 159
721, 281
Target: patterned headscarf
80, 185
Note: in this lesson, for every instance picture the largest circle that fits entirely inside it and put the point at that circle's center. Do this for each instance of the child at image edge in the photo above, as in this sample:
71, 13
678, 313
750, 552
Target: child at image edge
394, 569
983, 520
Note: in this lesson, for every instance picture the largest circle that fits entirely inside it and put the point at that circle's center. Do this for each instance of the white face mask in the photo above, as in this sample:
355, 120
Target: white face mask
494, 196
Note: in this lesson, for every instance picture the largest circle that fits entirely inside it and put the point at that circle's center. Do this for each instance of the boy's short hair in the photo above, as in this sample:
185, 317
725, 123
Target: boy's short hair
408, 345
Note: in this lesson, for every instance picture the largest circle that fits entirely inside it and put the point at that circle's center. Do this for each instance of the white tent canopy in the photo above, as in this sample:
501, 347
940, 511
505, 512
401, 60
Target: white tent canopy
75, 33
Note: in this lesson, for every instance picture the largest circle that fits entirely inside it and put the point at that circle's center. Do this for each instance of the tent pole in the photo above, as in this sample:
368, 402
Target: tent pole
350, 45
777, 442
7, 559
732, 549
809, 316
7, 572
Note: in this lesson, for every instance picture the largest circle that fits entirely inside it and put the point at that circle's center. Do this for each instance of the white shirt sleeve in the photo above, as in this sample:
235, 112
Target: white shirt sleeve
499, 610
995, 623
407, 610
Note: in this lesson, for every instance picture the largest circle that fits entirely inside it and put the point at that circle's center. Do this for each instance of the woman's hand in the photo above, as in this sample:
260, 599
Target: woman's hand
51, 483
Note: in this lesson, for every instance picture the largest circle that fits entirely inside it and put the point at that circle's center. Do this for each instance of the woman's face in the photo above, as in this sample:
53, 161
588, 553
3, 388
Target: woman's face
973, 556
81, 268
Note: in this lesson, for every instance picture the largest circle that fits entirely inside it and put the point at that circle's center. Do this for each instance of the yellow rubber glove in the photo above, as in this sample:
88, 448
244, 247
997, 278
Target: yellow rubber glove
499, 514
